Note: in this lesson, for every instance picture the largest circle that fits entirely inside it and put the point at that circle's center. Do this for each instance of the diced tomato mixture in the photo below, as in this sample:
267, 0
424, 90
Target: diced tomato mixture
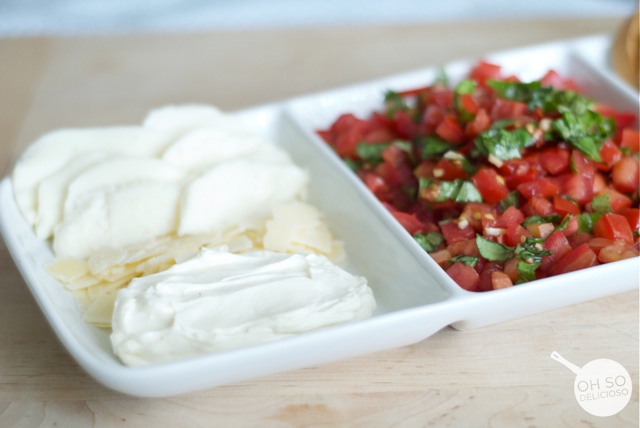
501, 182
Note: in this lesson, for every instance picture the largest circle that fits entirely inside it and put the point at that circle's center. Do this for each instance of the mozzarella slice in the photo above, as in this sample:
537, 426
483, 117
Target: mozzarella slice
178, 120
55, 150
237, 192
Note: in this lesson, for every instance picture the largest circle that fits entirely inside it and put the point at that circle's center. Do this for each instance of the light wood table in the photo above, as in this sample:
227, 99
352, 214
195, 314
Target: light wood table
498, 376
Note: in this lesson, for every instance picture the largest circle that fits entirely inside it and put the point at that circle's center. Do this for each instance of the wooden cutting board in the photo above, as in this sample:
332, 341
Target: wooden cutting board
498, 376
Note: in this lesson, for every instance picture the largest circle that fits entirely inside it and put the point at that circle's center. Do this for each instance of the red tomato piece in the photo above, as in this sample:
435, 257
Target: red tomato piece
631, 139
347, 141
449, 130
500, 280
389, 173
553, 79
465, 276
537, 206
452, 233
511, 268
623, 119
484, 71
597, 244
327, 136
514, 167
564, 207
515, 234
468, 248
380, 135
514, 181
578, 187
441, 258
398, 159
618, 250
485, 275
440, 97
542, 187
409, 222
582, 165
540, 230
431, 118
579, 258
571, 227
632, 215
616, 199
343, 123
626, 175
375, 184
474, 211
404, 125
425, 170
467, 103
479, 124
505, 109
555, 160
511, 215
559, 246
613, 227
579, 238
446, 170
610, 154
490, 185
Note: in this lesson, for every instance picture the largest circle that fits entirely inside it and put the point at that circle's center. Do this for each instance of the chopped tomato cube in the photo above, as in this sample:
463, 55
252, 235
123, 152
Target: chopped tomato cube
579, 238
425, 170
500, 280
578, 258
626, 175
631, 139
344, 123
375, 184
559, 246
467, 247
516, 234
450, 130
511, 268
504, 109
597, 244
490, 185
623, 119
542, 187
564, 207
485, 276
537, 206
441, 258
540, 230
578, 187
467, 103
399, 161
582, 165
618, 250
327, 136
404, 125
511, 215
474, 213
632, 215
479, 124
555, 160
553, 79
465, 276
380, 135
452, 233
599, 183
514, 167
571, 227
610, 154
446, 170
409, 222
513, 181
347, 141
613, 227
484, 71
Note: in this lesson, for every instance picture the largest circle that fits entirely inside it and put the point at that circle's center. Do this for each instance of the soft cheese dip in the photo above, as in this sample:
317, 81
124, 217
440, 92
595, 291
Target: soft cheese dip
219, 301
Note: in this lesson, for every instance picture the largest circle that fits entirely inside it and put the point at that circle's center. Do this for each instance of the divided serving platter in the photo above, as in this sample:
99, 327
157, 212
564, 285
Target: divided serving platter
415, 297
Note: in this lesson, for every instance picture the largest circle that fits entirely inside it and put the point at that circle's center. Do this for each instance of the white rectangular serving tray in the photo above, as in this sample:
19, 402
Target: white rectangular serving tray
415, 297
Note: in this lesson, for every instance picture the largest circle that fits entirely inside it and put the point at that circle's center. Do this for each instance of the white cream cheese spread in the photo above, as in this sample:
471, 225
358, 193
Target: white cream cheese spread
219, 301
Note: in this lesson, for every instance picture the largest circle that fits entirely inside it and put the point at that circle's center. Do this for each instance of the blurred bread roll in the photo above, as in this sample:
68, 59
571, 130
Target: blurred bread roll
625, 51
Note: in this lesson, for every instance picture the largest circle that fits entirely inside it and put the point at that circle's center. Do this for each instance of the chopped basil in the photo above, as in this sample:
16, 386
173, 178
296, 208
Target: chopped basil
464, 87
353, 165
442, 77
585, 222
393, 102
458, 190
533, 249
468, 193
540, 219
601, 204
493, 251
585, 132
511, 200
526, 271
514, 91
434, 146
626, 151
504, 145
429, 241
465, 260
502, 123
563, 224
371, 153
551, 100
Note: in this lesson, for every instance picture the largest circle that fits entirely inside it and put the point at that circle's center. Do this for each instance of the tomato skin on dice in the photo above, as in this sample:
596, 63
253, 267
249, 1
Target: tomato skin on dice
436, 159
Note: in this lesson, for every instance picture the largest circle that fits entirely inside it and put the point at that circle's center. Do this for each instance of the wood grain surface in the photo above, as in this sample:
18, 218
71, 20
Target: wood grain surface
498, 376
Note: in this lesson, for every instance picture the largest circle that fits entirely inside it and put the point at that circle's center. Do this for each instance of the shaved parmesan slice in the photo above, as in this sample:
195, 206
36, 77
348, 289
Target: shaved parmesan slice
81, 297
67, 270
83, 282
101, 310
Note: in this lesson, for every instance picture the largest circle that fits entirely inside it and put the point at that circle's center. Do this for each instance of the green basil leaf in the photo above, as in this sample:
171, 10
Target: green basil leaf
563, 224
511, 200
526, 271
586, 132
465, 260
371, 153
601, 204
393, 102
464, 87
502, 123
442, 78
468, 193
353, 165
429, 241
514, 91
493, 251
533, 249
502, 144
434, 146
540, 219
585, 222
449, 190
551, 100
